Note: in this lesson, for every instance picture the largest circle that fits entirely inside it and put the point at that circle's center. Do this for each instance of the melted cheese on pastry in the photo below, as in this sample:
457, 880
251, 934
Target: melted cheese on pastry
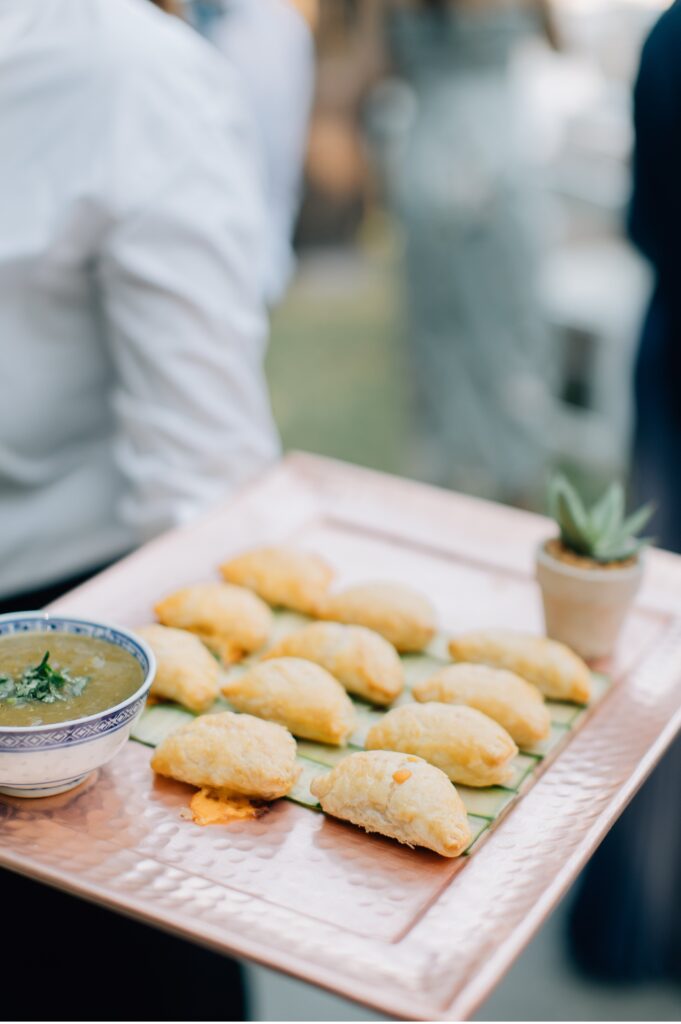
553, 668
215, 807
185, 671
239, 754
230, 620
403, 616
363, 661
511, 701
298, 694
398, 796
467, 745
283, 576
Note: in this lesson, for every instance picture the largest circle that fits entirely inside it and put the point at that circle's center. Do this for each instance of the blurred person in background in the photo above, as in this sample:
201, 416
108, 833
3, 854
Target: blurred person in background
459, 182
146, 201
625, 925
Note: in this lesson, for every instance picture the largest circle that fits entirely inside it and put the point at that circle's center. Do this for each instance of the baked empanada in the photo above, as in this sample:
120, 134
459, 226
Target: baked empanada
284, 576
360, 659
551, 666
468, 746
298, 694
398, 796
236, 754
400, 614
511, 701
230, 620
185, 671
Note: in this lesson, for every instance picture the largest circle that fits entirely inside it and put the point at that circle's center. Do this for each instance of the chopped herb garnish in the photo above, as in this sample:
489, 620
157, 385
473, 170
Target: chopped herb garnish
41, 683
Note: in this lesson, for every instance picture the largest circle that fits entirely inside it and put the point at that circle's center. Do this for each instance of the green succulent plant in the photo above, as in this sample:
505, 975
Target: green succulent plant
602, 532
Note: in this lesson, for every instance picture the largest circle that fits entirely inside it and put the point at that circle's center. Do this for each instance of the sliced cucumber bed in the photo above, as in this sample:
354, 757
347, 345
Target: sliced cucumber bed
485, 803
556, 736
421, 666
478, 828
300, 793
522, 765
482, 805
158, 721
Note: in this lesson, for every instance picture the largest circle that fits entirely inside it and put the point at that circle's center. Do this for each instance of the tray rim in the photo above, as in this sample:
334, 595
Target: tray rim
322, 484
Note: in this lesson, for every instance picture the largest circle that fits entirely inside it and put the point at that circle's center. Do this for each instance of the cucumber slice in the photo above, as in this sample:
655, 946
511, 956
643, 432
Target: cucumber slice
522, 765
321, 753
234, 671
600, 685
563, 713
406, 697
557, 734
158, 721
478, 826
300, 792
485, 803
439, 648
421, 666
366, 717
285, 622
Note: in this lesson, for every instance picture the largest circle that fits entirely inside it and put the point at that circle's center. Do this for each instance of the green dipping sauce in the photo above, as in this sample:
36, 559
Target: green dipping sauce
103, 673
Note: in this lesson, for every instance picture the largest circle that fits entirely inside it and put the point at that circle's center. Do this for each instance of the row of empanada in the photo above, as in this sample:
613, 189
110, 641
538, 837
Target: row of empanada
463, 727
301, 581
396, 795
363, 662
233, 620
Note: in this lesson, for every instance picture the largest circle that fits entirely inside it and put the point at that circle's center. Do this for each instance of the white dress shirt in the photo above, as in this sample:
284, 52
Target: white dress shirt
136, 255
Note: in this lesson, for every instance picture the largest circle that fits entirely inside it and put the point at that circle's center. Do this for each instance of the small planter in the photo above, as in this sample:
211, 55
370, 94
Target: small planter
585, 604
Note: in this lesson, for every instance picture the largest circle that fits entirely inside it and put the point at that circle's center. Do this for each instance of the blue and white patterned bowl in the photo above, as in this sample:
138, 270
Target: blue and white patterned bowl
42, 760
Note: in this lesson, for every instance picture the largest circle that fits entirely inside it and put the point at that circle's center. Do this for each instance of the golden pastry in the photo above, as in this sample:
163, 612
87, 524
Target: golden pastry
283, 576
185, 671
468, 746
551, 666
236, 754
360, 659
231, 621
400, 614
398, 796
298, 694
511, 701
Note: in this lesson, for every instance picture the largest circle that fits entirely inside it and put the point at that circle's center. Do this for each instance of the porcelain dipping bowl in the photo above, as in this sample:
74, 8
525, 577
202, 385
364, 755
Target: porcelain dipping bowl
43, 760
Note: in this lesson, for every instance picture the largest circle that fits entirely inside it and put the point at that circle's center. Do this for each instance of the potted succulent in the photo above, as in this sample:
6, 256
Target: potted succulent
590, 572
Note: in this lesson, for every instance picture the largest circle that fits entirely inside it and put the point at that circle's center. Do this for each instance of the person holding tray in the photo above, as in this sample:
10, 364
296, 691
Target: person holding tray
146, 204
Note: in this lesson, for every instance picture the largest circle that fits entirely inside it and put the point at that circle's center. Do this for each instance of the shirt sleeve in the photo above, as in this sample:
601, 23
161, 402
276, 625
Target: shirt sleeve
271, 48
181, 284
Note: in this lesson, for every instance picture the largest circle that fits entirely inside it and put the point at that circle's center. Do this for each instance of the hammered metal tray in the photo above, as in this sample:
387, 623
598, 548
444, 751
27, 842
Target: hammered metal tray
401, 930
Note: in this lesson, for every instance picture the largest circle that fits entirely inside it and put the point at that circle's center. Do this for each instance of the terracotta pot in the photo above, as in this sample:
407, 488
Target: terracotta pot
585, 608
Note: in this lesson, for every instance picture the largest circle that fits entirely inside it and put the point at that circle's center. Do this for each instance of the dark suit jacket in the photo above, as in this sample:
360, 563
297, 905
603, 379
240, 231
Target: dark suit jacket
655, 227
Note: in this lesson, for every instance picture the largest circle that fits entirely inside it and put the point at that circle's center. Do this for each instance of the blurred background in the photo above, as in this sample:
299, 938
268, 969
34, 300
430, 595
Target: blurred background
467, 304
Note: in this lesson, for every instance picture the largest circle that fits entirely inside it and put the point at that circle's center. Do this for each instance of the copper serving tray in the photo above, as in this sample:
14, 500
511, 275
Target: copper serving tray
403, 931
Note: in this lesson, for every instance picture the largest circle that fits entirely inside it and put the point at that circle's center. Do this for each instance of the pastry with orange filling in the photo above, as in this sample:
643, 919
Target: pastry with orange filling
468, 746
186, 671
360, 659
231, 621
551, 666
283, 576
398, 796
237, 754
514, 703
298, 694
402, 615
